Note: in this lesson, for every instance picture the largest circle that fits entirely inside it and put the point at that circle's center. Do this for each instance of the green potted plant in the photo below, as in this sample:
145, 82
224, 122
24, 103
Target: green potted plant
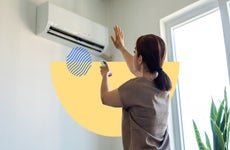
220, 125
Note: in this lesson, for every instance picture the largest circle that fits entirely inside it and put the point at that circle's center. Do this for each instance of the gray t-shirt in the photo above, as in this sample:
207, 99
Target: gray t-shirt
144, 115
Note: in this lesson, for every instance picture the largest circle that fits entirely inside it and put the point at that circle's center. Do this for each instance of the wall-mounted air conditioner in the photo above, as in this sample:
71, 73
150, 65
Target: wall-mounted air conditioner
68, 28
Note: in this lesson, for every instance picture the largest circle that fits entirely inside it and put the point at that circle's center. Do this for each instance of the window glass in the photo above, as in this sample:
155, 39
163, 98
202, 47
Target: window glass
199, 47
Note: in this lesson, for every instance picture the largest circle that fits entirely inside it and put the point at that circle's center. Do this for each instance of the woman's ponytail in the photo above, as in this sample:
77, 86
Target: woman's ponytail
162, 81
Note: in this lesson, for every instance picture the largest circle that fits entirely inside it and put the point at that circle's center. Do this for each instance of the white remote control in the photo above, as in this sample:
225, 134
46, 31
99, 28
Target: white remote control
103, 62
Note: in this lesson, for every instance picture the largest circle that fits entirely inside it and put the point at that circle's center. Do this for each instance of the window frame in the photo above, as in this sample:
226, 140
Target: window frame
224, 6
167, 24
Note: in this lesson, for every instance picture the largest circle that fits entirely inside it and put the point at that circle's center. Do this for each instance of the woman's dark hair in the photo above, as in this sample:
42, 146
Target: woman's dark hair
153, 52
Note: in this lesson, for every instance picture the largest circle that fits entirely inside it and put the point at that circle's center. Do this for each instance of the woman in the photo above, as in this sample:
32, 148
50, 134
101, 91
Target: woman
144, 99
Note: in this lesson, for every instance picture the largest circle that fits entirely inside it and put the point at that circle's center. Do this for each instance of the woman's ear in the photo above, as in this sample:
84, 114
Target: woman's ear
139, 60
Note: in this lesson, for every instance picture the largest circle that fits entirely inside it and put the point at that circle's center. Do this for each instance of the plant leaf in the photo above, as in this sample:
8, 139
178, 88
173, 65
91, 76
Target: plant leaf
220, 113
208, 142
223, 127
218, 137
227, 120
215, 143
213, 112
223, 123
225, 97
198, 139
228, 132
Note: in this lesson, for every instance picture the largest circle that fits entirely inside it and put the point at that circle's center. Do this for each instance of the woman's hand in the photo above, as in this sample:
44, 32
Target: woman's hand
105, 72
118, 40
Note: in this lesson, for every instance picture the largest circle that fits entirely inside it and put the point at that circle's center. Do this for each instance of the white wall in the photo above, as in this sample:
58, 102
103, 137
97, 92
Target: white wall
32, 117
30, 112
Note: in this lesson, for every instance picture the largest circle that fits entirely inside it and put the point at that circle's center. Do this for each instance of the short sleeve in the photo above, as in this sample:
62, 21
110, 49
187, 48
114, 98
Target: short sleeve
127, 93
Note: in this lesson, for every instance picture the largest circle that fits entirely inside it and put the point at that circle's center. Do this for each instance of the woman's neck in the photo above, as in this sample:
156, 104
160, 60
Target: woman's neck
149, 76
146, 74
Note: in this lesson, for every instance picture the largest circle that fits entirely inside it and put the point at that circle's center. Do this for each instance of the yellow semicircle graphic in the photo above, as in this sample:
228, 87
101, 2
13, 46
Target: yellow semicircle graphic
80, 96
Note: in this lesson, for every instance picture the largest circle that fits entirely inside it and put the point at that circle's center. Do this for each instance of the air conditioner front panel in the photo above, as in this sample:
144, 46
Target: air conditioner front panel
50, 16
77, 24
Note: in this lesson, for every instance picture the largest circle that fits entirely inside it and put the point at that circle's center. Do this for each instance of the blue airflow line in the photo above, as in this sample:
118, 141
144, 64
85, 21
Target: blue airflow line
78, 61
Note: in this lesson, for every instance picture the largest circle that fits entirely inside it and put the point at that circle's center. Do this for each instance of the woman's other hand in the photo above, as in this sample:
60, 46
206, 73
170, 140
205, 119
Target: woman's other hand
118, 40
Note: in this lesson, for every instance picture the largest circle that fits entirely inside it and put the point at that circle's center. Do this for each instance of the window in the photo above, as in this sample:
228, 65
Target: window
199, 47
196, 39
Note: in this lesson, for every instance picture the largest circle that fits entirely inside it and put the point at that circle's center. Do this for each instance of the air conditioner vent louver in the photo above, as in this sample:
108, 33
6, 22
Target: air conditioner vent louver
75, 39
